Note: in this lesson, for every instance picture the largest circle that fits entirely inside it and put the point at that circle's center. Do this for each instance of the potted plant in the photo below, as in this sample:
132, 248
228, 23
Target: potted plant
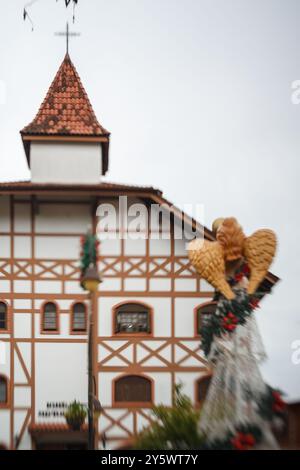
75, 415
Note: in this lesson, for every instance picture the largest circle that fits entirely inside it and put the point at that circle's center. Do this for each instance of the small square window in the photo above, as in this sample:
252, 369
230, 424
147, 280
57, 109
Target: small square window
132, 318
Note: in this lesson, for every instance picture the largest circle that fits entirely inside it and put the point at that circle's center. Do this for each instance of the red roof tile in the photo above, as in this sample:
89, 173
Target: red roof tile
66, 110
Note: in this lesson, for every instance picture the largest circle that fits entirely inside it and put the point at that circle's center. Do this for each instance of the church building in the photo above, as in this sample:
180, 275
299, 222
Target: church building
147, 310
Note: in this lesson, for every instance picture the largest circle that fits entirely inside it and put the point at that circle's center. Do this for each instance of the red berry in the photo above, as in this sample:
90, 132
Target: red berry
237, 443
231, 327
249, 439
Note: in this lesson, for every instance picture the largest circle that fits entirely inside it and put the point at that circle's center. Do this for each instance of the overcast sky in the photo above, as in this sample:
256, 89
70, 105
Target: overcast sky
197, 96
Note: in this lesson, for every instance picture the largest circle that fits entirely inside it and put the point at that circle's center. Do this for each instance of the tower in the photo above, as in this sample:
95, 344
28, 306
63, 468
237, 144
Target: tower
65, 143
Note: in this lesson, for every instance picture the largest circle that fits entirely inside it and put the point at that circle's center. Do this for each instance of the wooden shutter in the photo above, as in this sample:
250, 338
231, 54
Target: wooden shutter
133, 388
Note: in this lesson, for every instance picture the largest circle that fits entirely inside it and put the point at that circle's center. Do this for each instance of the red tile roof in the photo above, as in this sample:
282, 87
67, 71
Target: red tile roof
66, 110
53, 427
13, 186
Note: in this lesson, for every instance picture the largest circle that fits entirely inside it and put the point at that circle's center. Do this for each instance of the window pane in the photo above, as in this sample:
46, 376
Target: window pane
3, 316
79, 317
3, 390
79, 307
132, 318
50, 307
2, 321
3, 307
50, 317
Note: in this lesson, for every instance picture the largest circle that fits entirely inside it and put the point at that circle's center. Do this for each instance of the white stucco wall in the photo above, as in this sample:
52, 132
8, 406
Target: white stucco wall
5, 427
61, 374
4, 246
4, 357
62, 218
53, 162
57, 247
22, 218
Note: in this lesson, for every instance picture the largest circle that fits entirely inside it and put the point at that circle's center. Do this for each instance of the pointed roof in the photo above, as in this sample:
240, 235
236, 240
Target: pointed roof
66, 110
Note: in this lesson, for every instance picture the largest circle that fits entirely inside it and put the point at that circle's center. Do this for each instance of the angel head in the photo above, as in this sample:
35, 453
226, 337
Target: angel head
231, 237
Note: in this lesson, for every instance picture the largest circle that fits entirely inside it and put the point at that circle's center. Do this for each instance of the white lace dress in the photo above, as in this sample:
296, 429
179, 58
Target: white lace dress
236, 381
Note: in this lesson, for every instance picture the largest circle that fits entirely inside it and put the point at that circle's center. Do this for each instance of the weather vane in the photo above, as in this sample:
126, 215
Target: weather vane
67, 34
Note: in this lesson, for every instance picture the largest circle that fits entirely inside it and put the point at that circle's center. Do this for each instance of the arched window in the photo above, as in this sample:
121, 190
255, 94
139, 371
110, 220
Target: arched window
79, 317
132, 318
3, 316
50, 322
202, 386
3, 390
133, 389
203, 313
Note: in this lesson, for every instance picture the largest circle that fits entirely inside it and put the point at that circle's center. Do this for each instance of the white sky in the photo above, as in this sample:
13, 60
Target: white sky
197, 95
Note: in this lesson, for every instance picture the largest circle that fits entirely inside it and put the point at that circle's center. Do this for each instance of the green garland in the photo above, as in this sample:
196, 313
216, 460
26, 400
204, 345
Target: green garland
271, 405
245, 437
229, 314
88, 255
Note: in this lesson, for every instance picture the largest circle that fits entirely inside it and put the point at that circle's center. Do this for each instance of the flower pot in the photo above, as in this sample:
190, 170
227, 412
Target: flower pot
75, 423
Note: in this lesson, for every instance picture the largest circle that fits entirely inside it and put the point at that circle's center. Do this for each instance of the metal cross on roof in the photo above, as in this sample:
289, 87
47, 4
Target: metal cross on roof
68, 34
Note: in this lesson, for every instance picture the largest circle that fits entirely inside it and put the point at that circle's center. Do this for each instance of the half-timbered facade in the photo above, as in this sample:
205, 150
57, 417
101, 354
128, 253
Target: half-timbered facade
146, 312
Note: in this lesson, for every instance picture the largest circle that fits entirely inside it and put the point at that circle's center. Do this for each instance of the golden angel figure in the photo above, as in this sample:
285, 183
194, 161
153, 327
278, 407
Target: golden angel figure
237, 412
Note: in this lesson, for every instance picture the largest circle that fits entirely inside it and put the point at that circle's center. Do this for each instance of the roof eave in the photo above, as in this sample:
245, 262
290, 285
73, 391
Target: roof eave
144, 192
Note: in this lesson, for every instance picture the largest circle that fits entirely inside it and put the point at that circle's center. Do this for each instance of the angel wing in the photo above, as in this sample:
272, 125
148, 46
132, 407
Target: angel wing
259, 251
208, 259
